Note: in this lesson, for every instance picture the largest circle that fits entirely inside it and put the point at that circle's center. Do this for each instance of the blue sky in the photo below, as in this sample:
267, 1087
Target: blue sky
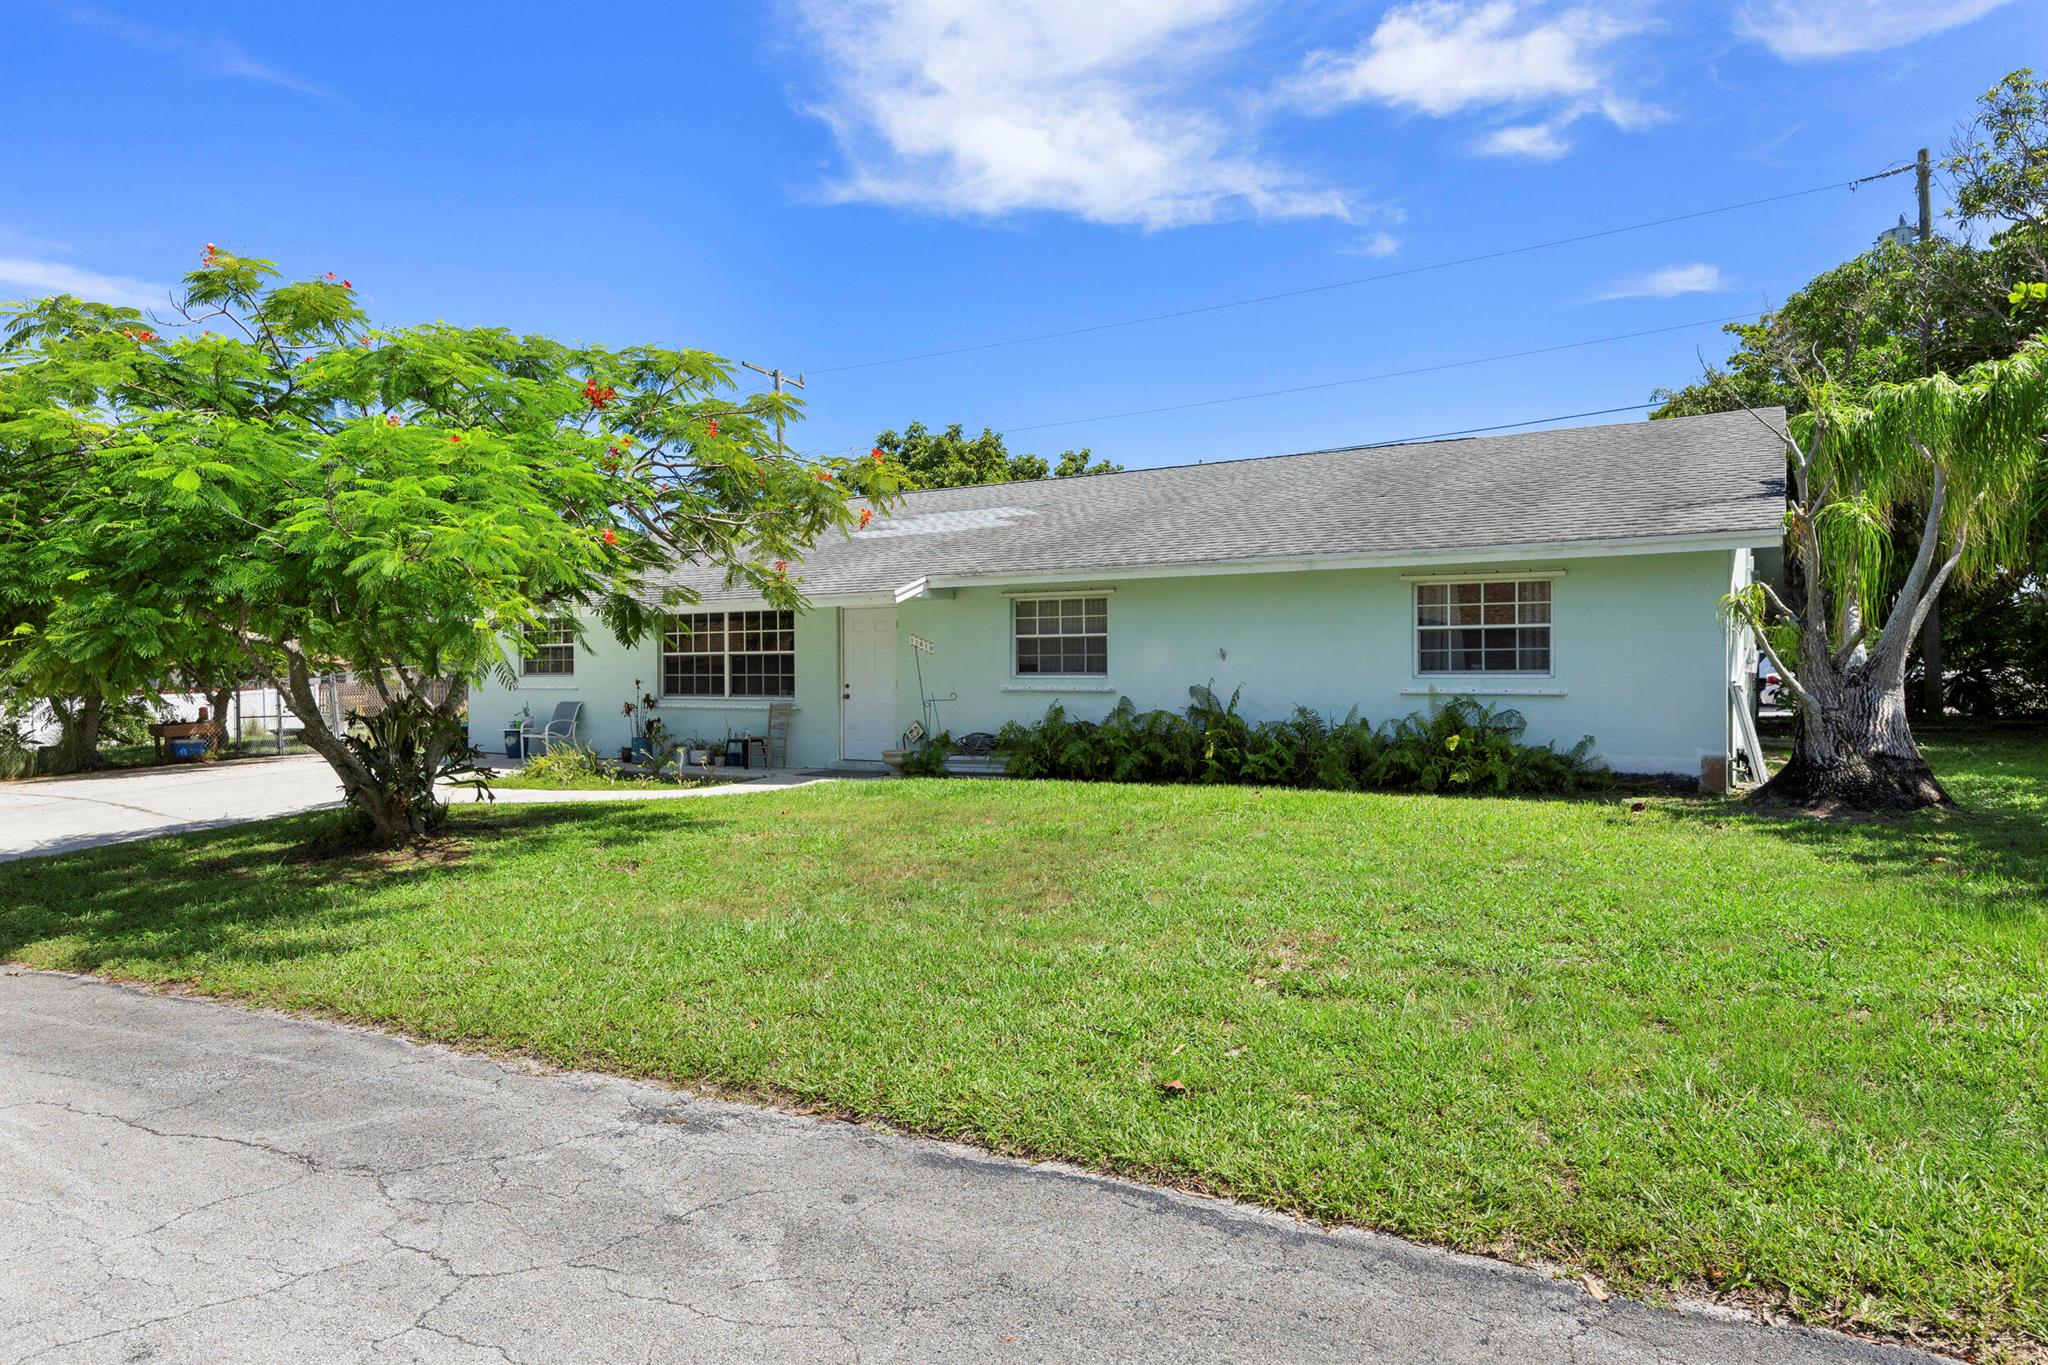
817, 186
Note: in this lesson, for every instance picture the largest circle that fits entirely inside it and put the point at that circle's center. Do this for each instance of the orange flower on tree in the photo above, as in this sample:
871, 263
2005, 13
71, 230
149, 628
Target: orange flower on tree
867, 515
611, 537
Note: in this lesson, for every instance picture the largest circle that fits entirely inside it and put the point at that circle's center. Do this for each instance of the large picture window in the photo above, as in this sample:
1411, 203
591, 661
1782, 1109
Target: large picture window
1489, 627
730, 654
1061, 636
552, 650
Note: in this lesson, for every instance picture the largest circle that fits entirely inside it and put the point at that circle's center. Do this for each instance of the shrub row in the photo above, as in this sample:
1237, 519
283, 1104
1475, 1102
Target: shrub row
1458, 744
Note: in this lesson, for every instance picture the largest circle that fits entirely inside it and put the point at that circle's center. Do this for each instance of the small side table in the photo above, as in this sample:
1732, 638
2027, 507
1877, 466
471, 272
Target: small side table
739, 753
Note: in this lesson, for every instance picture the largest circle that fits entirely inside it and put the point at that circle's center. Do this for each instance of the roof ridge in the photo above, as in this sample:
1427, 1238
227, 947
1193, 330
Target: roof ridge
1466, 441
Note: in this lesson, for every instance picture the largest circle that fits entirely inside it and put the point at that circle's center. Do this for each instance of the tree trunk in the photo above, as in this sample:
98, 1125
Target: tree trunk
217, 712
78, 740
1933, 689
391, 812
1854, 750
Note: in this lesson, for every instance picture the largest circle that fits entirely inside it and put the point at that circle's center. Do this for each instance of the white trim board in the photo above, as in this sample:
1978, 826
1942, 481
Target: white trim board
1092, 685
1393, 559
1495, 691
1505, 576
944, 585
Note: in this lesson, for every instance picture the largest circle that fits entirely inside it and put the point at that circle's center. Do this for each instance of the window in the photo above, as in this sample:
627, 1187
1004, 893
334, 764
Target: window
553, 647
1500, 627
730, 654
1061, 635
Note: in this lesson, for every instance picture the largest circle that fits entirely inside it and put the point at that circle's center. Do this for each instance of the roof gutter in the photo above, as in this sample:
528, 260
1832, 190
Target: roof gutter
1390, 559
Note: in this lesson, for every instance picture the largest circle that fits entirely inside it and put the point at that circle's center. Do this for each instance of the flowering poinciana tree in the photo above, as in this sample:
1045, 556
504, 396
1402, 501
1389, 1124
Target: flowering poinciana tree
320, 495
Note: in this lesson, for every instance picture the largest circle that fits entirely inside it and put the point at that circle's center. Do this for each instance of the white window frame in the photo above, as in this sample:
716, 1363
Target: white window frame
559, 633
1451, 583
725, 654
1017, 599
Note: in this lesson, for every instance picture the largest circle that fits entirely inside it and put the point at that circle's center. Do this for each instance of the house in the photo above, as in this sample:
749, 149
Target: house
1572, 574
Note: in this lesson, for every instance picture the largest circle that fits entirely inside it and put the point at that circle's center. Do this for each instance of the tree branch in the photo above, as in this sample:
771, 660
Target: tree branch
1785, 675
1911, 604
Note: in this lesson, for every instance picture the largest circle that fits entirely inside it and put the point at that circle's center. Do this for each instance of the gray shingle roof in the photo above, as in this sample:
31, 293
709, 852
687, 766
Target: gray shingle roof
1690, 476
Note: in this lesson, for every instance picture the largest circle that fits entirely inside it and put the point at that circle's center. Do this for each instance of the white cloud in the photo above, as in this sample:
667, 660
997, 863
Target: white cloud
1669, 283
1377, 245
1814, 30
1448, 57
217, 56
53, 277
1106, 111
1541, 141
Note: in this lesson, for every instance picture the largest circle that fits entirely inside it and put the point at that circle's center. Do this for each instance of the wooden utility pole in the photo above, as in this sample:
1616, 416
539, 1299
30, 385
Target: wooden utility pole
1933, 695
780, 378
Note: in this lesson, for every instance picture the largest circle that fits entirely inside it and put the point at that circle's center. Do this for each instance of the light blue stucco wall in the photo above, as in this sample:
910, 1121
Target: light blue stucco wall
603, 682
1639, 655
1640, 659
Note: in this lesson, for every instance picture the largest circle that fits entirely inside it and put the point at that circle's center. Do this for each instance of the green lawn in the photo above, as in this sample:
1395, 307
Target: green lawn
1679, 1047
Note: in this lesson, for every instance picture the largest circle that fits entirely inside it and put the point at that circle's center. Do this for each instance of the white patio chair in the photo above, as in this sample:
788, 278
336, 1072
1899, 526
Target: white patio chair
560, 726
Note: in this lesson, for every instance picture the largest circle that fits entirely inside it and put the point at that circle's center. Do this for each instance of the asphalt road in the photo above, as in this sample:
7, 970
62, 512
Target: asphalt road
184, 1181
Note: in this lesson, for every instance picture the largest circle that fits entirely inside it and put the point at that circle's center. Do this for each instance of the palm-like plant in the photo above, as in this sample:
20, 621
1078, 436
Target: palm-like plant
1961, 450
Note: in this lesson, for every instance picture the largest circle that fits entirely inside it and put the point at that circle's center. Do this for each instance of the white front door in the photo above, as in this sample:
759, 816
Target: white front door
867, 682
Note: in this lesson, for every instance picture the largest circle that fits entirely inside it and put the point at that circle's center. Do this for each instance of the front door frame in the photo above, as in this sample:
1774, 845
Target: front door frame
843, 679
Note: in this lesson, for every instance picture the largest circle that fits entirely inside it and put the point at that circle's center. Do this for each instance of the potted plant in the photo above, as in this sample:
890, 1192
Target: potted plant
663, 751
640, 714
913, 739
513, 730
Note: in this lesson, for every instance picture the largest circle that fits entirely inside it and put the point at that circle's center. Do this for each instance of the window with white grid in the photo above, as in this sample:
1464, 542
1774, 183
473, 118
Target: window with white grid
551, 650
1061, 636
730, 654
1487, 627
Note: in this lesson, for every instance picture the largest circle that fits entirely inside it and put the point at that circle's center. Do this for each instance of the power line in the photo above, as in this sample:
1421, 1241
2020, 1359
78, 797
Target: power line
1504, 426
1364, 279
1384, 375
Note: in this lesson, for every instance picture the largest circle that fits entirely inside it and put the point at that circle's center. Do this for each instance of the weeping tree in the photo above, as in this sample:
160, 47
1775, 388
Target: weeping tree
266, 473
1963, 453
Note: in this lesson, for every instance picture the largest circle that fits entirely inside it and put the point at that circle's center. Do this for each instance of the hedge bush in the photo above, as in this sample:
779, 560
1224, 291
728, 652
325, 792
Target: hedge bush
1458, 744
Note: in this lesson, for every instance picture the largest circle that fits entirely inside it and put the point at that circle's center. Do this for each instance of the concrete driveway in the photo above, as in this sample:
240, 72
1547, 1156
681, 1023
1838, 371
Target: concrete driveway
60, 814
184, 1181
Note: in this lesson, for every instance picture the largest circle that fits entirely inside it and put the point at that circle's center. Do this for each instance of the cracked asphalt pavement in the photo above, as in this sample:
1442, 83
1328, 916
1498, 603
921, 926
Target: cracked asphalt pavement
187, 1181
